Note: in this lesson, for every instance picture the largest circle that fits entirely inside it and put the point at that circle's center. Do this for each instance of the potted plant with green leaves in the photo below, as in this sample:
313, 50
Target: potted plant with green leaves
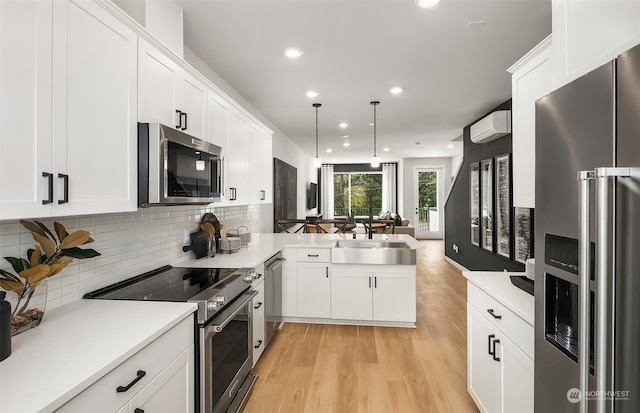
26, 289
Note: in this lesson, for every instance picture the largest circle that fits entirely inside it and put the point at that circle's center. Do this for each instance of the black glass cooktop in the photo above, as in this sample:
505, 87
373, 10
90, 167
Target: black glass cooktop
165, 284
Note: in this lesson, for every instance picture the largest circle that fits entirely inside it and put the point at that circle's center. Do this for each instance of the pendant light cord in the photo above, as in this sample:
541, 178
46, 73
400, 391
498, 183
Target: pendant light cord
375, 125
317, 105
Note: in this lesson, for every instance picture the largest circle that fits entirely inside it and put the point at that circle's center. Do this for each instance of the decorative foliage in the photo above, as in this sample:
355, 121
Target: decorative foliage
50, 256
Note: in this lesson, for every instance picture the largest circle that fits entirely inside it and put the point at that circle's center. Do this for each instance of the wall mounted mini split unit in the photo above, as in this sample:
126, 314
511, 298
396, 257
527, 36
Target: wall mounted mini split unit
491, 127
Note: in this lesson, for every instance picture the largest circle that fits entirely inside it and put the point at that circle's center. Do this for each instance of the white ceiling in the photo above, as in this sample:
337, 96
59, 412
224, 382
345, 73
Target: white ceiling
354, 51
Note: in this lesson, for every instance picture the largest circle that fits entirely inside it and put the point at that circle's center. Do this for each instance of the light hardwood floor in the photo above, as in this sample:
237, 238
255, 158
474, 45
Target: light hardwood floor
340, 369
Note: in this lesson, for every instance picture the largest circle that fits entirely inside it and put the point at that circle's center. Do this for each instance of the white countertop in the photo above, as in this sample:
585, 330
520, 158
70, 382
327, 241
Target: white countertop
264, 245
499, 286
75, 345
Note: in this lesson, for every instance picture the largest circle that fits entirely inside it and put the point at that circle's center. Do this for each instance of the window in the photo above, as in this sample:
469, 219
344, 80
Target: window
351, 192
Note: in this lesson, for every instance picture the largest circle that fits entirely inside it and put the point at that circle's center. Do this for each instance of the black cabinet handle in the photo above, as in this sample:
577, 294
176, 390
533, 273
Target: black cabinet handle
369, 282
490, 311
313, 255
375, 282
489, 344
258, 345
50, 191
138, 410
64, 200
179, 125
257, 306
494, 350
139, 375
327, 271
185, 120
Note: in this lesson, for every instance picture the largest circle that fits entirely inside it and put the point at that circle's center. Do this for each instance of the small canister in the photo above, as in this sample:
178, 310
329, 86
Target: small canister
5, 327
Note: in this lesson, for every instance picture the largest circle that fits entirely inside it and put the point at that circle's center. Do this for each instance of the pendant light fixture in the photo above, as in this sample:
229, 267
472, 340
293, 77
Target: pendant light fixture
375, 161
317, 162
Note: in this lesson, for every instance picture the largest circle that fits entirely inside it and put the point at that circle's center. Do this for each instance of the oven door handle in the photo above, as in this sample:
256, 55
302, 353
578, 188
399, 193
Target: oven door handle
228, 314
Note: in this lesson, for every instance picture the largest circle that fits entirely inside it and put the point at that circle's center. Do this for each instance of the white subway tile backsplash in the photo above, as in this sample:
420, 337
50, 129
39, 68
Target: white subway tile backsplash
130, 243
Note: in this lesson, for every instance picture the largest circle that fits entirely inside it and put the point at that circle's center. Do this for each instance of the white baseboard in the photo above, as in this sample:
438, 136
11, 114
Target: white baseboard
455, 264
307, 320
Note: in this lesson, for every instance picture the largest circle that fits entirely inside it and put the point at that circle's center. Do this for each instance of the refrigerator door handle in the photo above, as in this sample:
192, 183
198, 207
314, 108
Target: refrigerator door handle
584, 269
602, 351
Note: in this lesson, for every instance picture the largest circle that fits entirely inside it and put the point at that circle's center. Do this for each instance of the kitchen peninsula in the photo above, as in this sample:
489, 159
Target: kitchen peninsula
317, 287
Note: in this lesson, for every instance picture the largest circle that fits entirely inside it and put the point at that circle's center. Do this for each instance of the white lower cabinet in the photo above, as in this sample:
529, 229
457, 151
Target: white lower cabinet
169, 391
158, 378
314, 289
378, 293
500, 374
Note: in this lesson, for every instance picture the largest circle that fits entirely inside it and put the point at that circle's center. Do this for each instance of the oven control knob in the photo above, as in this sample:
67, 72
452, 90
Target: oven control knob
248, 278
212, 306
219, 300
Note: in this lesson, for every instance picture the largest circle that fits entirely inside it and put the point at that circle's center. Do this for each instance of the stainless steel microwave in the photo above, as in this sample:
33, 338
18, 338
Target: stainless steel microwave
177, 169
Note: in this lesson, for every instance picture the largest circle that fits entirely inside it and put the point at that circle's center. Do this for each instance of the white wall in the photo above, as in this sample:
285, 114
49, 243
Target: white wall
408, 165
283, 147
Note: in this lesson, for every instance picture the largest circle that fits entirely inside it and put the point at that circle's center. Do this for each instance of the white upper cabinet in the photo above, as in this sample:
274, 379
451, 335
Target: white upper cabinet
168, 94
94, 118
237, 176
260, 165
25, 107
218, 134
68, 118
156, 86
587, 34
532, 78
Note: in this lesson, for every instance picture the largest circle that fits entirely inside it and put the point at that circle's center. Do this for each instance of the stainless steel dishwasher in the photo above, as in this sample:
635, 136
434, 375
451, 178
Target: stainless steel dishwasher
273, 295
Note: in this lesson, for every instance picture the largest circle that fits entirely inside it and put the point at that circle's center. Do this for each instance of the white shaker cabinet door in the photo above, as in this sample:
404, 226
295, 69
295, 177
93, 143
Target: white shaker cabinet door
351, 295
218, 134
483, 370
157, 78
172, 390
237, 191
192, 100
394, 296
94, 136
259, 167
517, 379
314, 290
25, 108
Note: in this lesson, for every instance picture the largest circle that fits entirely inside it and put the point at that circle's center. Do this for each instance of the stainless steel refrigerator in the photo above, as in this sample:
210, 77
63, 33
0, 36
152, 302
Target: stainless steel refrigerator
587, 232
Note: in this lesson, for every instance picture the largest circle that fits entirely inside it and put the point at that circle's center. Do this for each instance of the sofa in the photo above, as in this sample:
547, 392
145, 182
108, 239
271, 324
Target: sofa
404, 228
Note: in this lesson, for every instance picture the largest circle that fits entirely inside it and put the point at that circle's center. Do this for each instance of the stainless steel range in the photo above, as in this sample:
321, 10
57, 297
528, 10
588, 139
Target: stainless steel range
224, 358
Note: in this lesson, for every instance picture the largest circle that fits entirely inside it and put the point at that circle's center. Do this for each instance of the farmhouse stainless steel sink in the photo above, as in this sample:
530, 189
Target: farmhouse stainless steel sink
373, 252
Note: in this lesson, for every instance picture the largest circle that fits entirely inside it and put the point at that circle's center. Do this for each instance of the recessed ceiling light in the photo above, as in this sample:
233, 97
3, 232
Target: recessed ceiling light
396, 90
329, 150
344, 125
450, 146
476, 24
425, 4
292, 52
386, 149
371, 124
345, 136
346, 144
312, 94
